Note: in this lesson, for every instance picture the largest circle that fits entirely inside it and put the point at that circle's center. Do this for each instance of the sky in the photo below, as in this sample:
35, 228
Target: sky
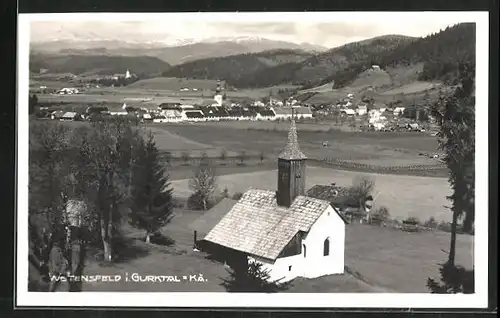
172, 29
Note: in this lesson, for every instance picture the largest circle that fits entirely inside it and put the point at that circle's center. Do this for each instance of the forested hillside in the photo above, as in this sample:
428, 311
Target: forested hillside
236, 68
143, 66
440, 52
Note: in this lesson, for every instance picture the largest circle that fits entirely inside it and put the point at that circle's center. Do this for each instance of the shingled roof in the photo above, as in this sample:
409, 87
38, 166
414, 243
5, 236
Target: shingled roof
258, 226
337, 196
292, 150
209, 219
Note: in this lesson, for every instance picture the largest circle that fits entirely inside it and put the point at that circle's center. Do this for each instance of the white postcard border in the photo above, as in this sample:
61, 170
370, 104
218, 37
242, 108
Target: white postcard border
284, 300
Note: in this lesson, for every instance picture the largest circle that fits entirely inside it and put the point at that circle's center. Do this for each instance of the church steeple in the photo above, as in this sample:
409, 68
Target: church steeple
292, 149
291, 169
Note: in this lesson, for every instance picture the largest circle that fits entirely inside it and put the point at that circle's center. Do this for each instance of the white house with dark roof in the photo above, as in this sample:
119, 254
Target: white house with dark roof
291, 234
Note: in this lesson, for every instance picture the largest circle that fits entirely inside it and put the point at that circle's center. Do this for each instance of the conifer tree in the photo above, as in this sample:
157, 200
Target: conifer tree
151, 194
254, 279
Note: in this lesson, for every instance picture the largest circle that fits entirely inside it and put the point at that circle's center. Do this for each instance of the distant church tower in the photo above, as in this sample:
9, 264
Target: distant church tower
127, 74
218, 94
291, 170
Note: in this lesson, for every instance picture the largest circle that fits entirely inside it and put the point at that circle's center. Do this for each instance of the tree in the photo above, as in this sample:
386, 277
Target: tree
254, 279
455, 116
242, 157
151, 199
185, 157
203, 184
33, 102
47, 169
101, 158
223, 155
57, 243
361, 188
262, 156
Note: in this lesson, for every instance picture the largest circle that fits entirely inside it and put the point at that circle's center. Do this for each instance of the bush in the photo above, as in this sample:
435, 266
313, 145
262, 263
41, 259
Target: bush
412, 221
381, 214
237, 196
195, 202
159, 239
444, 226
452, 280
225, 193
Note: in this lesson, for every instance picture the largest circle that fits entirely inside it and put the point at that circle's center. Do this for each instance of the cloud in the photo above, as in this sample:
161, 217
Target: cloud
345, 29
277, 28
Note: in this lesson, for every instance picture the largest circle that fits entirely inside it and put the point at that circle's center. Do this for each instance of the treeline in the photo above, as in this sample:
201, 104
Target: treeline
143, 66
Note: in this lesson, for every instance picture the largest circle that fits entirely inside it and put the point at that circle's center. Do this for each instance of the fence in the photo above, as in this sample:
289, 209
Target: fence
435, 168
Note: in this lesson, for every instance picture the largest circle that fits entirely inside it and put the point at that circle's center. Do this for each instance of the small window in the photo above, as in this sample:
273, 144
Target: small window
305, 250
326, 247
289, 268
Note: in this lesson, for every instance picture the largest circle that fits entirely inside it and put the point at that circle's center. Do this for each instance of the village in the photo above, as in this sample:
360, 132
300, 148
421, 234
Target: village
357, 114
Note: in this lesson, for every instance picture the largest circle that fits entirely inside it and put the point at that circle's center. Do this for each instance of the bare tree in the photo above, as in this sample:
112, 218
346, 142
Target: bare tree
362, 187
103, 157
203, 184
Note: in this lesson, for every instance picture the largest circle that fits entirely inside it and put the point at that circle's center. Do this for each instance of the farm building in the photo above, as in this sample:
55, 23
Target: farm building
398, 111
340, 198
287, 112
193, 115
348, 112
290, 234
69, 116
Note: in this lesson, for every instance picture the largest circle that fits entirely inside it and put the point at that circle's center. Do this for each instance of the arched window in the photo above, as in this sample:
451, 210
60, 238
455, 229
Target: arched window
305, 251
326, 247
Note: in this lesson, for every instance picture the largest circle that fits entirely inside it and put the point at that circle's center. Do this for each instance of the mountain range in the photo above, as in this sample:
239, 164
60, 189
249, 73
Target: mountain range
185, 50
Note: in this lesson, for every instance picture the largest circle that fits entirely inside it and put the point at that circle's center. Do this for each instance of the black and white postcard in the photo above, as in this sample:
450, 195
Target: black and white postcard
316, 160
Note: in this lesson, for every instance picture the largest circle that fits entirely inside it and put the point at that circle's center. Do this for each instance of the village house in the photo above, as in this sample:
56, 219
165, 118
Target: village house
264, 114
291, 234
398, 111
68, 91
362, 109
